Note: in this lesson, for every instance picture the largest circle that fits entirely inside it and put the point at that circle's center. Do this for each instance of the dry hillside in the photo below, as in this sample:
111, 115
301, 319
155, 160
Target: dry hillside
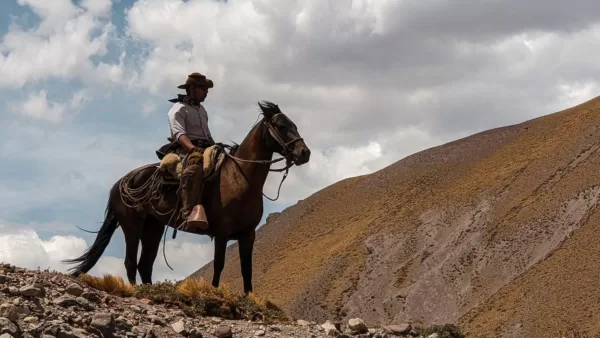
495, 232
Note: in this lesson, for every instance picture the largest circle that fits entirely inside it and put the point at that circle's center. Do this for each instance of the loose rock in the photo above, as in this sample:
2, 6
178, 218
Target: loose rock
9, 311
104, 322
31, 291
74, 289
401, 329
224, 332
65, 301
358, 325
179, 327
7, 326
330, 329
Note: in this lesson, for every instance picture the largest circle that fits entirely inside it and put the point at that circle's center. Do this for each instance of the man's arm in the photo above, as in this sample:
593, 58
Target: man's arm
177, 123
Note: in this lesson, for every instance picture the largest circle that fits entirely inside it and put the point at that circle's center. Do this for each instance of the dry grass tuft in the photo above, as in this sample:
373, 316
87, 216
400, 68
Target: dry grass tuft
110, 284
257, 300
194, 296
195, 287
200, 288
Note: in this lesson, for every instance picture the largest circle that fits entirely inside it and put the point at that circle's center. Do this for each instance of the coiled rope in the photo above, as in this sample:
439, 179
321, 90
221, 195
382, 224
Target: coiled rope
144, 195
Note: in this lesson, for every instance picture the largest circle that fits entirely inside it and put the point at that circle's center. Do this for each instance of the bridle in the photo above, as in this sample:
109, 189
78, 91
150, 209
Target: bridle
287, 153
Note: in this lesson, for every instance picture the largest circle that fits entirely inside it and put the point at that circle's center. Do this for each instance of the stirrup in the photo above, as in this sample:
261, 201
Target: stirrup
196, 222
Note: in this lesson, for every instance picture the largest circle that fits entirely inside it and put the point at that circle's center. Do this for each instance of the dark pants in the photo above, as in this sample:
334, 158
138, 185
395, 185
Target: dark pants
192, 181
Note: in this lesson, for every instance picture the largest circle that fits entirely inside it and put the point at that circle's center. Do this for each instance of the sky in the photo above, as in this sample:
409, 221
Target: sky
84, 90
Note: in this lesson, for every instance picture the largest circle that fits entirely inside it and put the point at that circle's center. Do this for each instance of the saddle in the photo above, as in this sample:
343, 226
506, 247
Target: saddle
171, 165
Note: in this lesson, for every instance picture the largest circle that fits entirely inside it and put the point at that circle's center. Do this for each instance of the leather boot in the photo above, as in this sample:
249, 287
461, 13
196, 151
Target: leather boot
192, 181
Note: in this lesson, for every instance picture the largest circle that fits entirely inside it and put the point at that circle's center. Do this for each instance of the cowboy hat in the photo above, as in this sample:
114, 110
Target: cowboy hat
196, 79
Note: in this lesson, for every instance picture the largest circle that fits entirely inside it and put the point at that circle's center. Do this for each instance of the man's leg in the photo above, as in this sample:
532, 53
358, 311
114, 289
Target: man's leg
192, 181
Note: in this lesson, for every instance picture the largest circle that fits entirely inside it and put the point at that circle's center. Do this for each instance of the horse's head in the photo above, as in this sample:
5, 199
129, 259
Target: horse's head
284, 137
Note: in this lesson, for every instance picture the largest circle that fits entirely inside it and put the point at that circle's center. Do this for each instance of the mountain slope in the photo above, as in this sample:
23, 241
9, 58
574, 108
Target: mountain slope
477, 231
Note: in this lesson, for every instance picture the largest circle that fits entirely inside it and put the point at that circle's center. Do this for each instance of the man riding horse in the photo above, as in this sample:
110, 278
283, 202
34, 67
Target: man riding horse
190, 135
143, 202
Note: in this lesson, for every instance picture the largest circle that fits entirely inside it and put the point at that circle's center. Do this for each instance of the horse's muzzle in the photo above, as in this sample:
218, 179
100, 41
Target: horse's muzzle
301, 153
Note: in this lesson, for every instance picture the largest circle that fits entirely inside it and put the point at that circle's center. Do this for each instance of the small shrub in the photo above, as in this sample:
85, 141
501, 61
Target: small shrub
159, 292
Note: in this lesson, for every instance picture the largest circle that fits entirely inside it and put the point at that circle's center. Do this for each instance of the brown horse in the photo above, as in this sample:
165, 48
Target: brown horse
233, 201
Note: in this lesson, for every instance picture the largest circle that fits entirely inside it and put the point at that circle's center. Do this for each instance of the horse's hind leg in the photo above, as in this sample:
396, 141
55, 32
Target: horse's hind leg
153, 231
132, 226
132, 222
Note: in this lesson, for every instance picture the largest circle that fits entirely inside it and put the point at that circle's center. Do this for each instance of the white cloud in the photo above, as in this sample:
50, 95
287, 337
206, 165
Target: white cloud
37, 106
97, 7
110, 73
195, 36
51, 12
325, 167
26, 249
61, 46
575, 93
21, 245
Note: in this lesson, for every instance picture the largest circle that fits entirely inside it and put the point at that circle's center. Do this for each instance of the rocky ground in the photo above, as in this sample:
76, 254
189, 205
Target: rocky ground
50, 304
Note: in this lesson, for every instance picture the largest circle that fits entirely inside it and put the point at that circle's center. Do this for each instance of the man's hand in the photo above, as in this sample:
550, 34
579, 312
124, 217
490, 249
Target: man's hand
186, 143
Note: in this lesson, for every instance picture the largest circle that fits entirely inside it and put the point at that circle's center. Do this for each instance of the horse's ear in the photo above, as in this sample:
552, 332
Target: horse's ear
265, 110
268, 108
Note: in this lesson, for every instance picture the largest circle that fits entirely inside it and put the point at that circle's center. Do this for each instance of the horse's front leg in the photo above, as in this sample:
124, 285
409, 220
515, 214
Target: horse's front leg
246, 245
219, 259
153, 231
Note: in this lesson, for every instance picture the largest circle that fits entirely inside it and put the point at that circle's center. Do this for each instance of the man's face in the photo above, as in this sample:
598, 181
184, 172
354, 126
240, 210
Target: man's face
200, 93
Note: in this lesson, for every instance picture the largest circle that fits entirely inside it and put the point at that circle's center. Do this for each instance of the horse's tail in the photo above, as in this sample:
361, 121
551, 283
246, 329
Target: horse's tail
87, 261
